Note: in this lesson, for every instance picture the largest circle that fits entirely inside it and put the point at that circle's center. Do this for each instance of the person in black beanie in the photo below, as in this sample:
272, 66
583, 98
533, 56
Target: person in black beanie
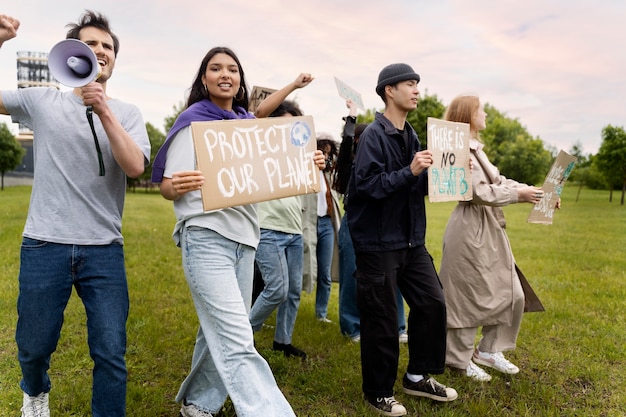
387, 221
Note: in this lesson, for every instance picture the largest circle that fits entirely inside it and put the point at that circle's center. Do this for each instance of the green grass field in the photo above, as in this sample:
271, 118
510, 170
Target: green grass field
572, 356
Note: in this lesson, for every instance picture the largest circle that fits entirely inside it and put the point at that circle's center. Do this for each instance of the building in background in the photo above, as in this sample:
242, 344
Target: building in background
32, 71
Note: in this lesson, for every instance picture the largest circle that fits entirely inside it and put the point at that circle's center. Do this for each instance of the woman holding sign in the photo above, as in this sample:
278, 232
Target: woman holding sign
218, 249
478, 272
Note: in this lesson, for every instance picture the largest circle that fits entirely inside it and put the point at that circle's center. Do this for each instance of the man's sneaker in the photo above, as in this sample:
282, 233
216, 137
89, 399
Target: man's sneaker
476, 372
404, 338
356, 338
36, 406
323, 320
190, 410
387, 406
496, 361
429, 388
289, 350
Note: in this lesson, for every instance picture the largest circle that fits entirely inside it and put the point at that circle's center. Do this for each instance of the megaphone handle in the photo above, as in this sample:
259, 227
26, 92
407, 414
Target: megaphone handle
95, 139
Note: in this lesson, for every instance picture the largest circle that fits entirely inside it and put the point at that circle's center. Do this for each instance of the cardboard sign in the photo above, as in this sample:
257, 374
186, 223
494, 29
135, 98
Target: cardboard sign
346, 92
552, 187
449, 175
257, 95
252, 160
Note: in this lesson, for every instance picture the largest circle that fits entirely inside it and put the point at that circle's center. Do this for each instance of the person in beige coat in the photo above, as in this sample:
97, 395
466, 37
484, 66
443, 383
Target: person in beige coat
478, 273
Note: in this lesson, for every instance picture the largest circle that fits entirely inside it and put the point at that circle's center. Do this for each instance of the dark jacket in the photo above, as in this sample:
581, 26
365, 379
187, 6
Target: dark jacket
385, 201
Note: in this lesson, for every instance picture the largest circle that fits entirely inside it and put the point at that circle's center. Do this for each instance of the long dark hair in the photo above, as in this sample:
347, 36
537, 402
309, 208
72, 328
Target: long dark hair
287, 106
343, 166
92, 19
197, 91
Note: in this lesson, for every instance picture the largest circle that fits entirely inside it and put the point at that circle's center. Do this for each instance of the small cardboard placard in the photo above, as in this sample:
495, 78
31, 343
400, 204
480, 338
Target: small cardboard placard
543, 211
346, 92
257, 95
449, 176
252, 160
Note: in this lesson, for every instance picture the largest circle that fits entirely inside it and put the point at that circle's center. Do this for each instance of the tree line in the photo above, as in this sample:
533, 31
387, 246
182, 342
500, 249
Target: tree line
508, 144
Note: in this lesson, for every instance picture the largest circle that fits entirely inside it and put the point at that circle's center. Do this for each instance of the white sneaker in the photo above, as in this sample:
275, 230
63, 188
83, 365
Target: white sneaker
356, 339
476, 372
404, 338
496, 361
36, 406
190, 410
323, 320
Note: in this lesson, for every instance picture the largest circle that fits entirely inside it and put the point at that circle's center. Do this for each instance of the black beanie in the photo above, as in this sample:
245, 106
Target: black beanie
393, 74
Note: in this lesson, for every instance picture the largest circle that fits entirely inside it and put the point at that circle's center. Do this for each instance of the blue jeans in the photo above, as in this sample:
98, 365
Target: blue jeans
279, 258
324, 249
48, 271
219, 272
349, 318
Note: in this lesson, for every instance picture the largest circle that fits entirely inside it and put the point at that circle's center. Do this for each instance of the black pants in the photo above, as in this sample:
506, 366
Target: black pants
377, 275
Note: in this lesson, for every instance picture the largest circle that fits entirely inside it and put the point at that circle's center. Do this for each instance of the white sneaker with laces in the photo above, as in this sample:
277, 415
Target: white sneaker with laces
190, 410
36, 406
496, 361
404, 338
476, 372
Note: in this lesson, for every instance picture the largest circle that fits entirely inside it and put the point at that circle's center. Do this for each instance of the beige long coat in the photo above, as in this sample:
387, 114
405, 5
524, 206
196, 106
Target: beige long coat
477, 267
309, 236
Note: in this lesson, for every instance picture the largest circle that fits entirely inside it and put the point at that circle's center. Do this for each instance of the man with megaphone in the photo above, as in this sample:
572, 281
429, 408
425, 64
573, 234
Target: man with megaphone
72, 236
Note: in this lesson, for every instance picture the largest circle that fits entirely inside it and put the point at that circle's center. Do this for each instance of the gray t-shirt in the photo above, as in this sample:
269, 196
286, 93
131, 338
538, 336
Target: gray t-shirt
239, 223
70, 203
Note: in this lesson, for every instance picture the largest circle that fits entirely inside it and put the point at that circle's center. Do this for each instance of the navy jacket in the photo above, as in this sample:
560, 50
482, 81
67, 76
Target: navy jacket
385, 201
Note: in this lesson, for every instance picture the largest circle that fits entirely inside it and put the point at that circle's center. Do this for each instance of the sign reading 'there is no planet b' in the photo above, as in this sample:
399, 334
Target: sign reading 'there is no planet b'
449, 175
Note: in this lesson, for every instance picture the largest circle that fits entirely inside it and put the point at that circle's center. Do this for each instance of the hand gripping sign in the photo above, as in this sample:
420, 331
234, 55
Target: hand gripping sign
543, 211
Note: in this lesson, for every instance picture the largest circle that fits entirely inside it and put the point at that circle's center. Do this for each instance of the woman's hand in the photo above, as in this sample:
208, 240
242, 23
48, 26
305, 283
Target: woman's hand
303, 80
181, 183
186, 181
319, 159
529, 194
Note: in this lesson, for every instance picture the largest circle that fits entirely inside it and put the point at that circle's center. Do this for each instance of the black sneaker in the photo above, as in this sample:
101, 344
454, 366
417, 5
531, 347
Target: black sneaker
428, 388
289, 350
387, 406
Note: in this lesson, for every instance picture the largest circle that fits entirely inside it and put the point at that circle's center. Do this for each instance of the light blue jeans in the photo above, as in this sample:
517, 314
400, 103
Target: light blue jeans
324, 248
279, 258
48, 271
219, 272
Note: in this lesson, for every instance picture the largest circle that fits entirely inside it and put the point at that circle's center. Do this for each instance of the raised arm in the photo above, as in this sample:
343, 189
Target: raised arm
267, 106
8, 30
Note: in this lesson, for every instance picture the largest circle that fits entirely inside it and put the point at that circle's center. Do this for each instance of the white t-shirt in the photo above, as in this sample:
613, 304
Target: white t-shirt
238, 224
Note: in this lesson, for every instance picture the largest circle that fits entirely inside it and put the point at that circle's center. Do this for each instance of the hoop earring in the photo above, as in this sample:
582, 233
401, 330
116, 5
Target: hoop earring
242, 90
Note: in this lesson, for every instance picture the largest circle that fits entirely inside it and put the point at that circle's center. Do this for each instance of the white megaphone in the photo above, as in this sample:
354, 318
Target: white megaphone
73, 63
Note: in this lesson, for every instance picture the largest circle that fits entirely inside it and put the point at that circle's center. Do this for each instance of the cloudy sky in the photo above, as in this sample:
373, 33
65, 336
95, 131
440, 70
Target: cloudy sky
558, 66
